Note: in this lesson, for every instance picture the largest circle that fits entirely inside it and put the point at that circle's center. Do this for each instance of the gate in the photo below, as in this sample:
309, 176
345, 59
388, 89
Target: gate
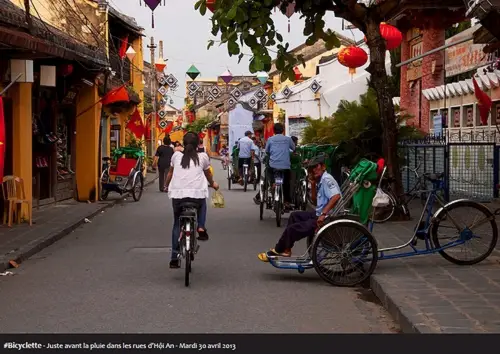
470, 167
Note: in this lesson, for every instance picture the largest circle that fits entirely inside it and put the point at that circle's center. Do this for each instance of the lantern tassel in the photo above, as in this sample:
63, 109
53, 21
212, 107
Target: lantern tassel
352, 71
288, 25
152, 19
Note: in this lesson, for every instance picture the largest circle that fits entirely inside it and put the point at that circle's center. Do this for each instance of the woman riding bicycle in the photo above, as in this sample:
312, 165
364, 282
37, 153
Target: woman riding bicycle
187, 183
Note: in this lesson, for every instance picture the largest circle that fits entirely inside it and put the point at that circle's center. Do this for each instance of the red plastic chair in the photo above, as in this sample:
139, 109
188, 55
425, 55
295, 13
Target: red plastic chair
123, 167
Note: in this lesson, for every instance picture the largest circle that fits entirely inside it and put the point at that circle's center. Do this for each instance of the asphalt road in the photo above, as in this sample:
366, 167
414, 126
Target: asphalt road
112, 276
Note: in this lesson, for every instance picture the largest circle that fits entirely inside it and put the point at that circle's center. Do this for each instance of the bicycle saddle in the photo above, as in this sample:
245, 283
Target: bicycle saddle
433, 177
190, 205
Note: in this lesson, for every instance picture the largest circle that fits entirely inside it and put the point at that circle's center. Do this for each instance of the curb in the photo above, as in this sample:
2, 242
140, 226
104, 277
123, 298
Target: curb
27, 251
398, 315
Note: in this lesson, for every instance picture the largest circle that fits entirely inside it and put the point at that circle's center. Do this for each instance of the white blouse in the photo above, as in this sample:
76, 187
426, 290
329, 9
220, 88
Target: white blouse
190, 182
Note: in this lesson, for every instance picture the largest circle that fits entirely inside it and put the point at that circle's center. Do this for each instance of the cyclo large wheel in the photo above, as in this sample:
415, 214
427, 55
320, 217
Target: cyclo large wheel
263, 199
352, 249
461, 231
138, 186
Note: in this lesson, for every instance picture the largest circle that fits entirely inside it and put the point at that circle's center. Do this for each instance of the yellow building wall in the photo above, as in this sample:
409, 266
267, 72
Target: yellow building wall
63, 16
21, 94
87, 140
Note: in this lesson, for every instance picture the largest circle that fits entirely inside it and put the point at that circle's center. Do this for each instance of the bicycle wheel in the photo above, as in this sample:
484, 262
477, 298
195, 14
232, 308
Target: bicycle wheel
228, 178
278, 206
383, 214
188, 268
245, 182
138, 186
453, 217
352, 250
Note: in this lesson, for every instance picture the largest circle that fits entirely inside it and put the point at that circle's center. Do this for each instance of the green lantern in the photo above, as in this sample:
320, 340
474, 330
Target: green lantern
193, 72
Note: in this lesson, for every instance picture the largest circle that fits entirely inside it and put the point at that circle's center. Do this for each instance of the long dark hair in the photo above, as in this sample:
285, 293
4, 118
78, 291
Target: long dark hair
190, 142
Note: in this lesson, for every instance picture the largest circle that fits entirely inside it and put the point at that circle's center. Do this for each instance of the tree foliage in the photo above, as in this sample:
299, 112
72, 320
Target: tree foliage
248, 23
355, 127
199, 124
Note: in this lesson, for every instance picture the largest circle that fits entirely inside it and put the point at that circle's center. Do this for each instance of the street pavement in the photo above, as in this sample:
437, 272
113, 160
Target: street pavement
112, 275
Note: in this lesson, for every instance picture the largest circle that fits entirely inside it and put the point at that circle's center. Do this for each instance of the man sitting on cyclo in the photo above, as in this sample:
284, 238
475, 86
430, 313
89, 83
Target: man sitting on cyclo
302, 224
278, 151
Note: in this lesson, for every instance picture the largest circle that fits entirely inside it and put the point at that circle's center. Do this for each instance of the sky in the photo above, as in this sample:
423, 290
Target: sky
185, 34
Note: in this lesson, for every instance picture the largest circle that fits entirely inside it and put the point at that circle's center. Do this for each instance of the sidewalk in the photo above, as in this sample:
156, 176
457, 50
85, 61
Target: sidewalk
427, 294
50, 224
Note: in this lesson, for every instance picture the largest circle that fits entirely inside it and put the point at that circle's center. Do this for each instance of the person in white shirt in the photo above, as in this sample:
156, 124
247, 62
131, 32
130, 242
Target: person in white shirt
187, 182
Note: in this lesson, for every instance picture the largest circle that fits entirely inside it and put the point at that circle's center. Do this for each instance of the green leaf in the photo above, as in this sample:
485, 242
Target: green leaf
279, 37
311, 40
203, 8
233, 48
198, 4
268, 3
210, 44
240, 57
232, 13
258, 65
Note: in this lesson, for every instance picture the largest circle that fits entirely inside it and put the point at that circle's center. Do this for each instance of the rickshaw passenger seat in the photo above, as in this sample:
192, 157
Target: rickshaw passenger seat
123, 167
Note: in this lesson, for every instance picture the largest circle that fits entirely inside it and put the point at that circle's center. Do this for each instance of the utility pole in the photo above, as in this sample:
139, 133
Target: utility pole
152, 48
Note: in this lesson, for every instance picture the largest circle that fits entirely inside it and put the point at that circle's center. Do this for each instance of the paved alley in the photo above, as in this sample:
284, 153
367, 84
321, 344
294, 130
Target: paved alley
112, 275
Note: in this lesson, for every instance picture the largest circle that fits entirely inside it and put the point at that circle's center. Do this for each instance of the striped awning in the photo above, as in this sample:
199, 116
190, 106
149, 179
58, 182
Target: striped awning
462, 88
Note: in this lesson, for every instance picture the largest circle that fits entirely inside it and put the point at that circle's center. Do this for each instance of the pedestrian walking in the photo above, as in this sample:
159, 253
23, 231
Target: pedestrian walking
162, 159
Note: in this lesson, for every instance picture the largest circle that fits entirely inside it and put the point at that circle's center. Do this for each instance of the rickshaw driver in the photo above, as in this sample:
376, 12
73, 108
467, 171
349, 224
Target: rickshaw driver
302, 224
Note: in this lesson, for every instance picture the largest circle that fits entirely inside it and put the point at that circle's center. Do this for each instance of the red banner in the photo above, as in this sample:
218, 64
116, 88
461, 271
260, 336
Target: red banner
2, 138
136, 126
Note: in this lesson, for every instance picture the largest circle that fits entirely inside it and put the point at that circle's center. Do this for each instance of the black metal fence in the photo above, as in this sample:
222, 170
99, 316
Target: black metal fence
470, 162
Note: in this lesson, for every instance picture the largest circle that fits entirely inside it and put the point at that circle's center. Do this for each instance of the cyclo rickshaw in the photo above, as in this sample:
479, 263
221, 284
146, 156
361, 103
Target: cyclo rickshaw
123, 173
249, 172
344, 251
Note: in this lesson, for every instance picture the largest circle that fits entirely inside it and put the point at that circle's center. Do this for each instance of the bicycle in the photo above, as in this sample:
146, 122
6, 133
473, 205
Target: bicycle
245, 176
187, 239
272, 198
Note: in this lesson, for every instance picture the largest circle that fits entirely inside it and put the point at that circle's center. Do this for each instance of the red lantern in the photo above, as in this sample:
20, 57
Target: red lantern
393, 37
201, 136
211, 5
352, 57
298, 74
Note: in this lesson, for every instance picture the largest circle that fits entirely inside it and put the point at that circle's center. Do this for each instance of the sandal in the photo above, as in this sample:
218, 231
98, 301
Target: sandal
264, 256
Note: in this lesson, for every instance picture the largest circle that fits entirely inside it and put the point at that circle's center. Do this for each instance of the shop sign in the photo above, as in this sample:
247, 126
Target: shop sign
466, 56
414, 71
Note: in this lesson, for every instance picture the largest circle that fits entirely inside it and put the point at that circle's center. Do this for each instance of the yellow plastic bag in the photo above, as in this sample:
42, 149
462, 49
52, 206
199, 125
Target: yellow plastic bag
217, 199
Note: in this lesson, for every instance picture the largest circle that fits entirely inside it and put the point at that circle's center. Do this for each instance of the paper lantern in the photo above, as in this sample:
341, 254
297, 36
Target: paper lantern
352, 57
160, 65
393, 37
226, 76
211, 5
130, 53
262, 77
201, 136
193, 72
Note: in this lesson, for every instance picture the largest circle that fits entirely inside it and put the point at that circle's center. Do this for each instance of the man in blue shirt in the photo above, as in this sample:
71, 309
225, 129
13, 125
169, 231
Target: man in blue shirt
246, 152
302, 224
278, 149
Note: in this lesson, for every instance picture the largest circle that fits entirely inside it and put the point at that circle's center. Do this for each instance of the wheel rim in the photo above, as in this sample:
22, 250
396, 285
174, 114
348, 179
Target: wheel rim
344, 255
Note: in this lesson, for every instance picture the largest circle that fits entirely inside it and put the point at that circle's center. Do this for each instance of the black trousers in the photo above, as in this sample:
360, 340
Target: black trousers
269, 179
162, 174
301, 224
241, 162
